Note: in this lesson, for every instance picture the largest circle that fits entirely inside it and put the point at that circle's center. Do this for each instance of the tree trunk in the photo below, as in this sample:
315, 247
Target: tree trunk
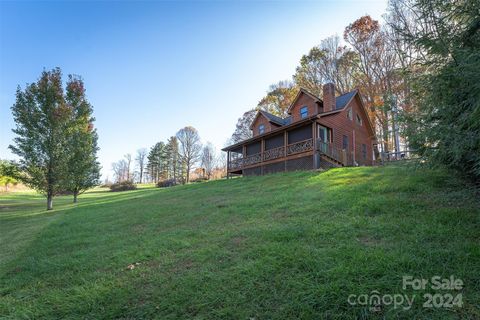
49, 201
75, 195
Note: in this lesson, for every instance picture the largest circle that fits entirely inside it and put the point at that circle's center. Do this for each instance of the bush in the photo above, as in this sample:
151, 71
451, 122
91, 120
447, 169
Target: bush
123, 186
199, 179
166, 183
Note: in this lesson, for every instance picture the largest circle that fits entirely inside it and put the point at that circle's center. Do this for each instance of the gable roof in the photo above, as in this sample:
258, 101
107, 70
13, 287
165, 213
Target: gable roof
302, 90
272, 118
342, 100
275, 119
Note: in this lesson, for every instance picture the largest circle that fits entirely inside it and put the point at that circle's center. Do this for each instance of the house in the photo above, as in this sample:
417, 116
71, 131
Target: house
332, 132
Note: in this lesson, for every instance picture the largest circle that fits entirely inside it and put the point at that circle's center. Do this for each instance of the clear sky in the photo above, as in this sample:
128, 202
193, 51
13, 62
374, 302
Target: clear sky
151, 68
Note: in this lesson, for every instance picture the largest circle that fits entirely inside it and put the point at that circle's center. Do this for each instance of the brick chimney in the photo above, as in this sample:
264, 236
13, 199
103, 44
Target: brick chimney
328, 97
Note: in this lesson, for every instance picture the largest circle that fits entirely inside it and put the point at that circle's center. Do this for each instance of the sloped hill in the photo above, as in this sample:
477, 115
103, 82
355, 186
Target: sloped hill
284, 246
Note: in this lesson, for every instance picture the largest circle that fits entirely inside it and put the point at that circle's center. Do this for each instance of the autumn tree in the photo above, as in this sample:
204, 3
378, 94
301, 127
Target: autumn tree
190, 148
328, 62
279, 97
43, 121
83, 170
377, 65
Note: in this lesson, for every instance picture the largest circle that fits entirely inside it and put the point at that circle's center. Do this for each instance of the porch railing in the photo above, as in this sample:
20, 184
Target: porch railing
339, 155
271, 154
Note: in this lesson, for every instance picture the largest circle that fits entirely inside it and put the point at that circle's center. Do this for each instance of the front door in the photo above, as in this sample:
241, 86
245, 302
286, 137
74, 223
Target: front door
324, 137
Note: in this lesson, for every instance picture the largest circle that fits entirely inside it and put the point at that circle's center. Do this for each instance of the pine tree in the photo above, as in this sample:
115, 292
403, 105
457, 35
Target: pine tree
173, 158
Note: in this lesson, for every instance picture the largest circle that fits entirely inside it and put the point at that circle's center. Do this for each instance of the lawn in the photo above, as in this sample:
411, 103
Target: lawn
282, 246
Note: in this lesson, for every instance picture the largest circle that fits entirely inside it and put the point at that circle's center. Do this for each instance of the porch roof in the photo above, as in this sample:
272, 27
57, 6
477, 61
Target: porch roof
273, 132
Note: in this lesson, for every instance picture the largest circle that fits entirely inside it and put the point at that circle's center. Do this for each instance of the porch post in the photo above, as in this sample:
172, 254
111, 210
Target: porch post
316, 155
228, 164
262, 149
285, 141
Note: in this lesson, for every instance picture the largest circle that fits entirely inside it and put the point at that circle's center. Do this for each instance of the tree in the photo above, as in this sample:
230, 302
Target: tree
377, 63
83, 167
208, 159
444, 43
173, 158
157, 161
190, 148
242, 129
141, 160
120, 170
328, 62
279, 97
43, 120
128, 162
8, 173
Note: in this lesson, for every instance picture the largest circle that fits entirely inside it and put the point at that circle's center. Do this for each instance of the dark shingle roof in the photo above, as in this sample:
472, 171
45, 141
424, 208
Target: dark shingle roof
342, 100
275, 119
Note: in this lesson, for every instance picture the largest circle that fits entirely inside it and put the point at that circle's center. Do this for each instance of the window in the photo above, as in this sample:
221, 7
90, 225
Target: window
359, 120
304, 112
345, 142
261, 129
350, 114
364, 151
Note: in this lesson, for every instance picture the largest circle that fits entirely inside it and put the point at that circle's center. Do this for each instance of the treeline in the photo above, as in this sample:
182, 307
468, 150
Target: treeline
55, 137
417, 71
173, 162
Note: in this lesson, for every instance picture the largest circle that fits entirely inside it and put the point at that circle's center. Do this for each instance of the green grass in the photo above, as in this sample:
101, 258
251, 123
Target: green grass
282, 246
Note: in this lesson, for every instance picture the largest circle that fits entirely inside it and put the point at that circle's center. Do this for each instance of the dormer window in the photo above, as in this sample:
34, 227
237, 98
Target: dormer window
261, 129
304, 112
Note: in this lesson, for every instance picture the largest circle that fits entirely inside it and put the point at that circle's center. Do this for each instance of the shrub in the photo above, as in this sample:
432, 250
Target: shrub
166, 183
199, 179
123, 186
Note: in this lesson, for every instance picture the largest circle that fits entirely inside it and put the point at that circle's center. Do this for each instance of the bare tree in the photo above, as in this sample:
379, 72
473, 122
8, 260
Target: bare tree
190, 148
208, 159
141, 162
128, 161
120, 170
242, 129
222, 164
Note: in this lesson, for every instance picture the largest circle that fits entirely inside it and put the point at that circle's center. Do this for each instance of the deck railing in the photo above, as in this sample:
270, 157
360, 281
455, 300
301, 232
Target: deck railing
274, 153
337, 154
299, 147
271, 154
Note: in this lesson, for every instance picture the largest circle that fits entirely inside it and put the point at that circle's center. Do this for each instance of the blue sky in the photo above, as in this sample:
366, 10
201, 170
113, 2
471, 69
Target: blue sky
151, 68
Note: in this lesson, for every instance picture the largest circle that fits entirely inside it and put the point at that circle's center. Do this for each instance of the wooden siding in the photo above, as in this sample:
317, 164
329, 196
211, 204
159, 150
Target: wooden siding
262, 120
341, 125
304, 100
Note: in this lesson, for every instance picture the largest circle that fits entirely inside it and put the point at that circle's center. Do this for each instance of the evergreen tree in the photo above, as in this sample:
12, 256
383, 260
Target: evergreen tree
157, 161
173, 159
445, 37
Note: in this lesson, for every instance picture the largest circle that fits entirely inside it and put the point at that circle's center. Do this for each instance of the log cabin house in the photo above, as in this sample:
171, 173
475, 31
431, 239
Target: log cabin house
332, 132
